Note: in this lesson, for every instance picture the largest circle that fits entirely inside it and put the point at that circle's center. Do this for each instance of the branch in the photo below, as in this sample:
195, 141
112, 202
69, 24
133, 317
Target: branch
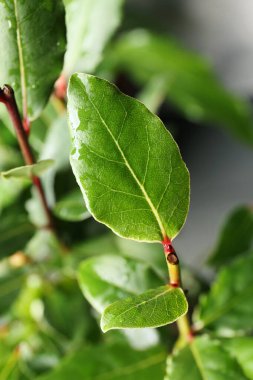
7, 97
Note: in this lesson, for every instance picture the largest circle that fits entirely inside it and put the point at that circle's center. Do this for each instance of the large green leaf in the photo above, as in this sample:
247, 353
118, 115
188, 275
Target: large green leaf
106, 279
90, 24
203, 359
242, 349
235, 238
28, 171
228, 307
32, 46
190, 83
114, 362
154, 308
127, 164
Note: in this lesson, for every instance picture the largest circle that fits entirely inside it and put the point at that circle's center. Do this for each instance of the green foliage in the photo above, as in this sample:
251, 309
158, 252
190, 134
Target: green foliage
154, 308
190, 83
114, 361
116, 167
33, 42
227, 308
235, 238
132, 179
203, 359
90, 24
29, 170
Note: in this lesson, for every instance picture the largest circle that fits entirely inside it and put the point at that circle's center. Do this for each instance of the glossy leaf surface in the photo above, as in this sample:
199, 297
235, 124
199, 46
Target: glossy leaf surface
127, 164
154, 308
90, 24
236, 237
190, 82
29, 170
227, 308
116, 362
106, 279
32, 47
203, 359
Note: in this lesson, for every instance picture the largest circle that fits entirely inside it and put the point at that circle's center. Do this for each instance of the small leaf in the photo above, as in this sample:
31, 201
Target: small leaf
117, 362
108, 278
90, 24
235, 238
154, 308
227, 308
191, 84
127, 164
203, 359
29, 170
242, 350
32, 47
71, 208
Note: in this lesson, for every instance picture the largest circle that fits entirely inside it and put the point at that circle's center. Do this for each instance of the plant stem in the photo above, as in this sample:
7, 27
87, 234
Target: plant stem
7, 97
172, 260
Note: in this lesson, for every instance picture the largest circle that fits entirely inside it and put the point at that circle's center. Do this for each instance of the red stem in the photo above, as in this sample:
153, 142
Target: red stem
7, 97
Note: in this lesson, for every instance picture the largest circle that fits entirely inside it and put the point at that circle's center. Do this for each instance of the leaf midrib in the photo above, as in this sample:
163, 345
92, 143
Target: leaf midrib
21, 62
143, 190
198, 361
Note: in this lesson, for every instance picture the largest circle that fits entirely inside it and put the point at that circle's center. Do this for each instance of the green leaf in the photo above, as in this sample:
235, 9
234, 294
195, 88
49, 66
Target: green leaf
154, 308
90, 24
235, 238
127, 164
203, 359
227, 308
106, 279
32, 45
15, 231
242, 350
71, 208
190, 83
117, 362
29, 170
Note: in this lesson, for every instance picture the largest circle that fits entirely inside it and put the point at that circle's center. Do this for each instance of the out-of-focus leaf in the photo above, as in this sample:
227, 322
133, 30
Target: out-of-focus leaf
242, 350
56, 147
11, 282
235, 238
29, 170
71, 207
203, 359
154, 308
10, 190
154, 93
90, 24
43, 246
15, 231
133, 184
190, 83
106, 279
228, 307
117, 362
33, 39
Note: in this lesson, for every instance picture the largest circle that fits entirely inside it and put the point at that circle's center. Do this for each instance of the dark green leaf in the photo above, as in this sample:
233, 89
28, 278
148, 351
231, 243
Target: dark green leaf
242, 350
235, 238
32, 47
72, 208
116, 362
15, 231
106, 279
154, 308
29, 170
127, 164
203, 359
90, 24
190, 83
228, 307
